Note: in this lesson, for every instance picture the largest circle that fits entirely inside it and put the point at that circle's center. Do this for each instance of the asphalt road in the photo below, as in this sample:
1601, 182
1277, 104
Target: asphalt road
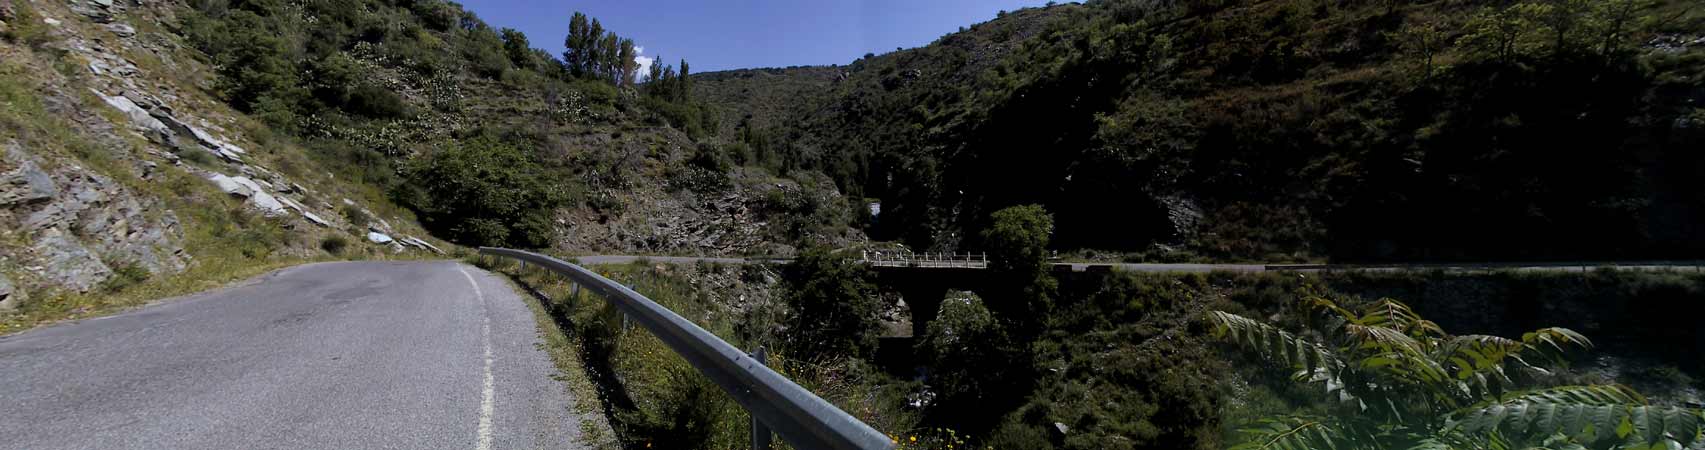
372, 355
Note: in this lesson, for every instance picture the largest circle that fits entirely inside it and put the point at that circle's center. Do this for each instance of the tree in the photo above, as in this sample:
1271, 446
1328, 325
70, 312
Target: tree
832, 306
1424, 39
629, 63
1017, 241
515, 46
482, 191
1396, 380
968, 352
576, 42
655, 73
685, 92
610, 50
1017, 244
594, 50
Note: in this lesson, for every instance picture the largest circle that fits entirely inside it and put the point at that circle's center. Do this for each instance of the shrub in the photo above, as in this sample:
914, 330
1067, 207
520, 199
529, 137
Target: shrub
482, 192
125, 275
334, 244
1017, 241
25, 26
970, 356
357, 217
376, 102
832, 306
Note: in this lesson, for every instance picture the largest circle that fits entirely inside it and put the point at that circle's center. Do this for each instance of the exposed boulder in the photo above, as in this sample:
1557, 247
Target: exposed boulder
10, 295
122, 30
7, 11
379, 238
26, 184
421, 243
75, 219
67, 263
224, 150
98, 10
315, 219
140, 116
230, 185
247, 188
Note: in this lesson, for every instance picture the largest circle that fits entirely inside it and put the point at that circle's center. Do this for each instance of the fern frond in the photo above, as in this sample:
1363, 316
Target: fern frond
1393, 314
1468, 356
1293, 432
1272, 343
1327, 305
1555, 342
1584, 414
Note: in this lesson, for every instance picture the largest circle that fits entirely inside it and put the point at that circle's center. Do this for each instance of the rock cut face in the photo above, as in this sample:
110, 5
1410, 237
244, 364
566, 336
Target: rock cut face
76, 224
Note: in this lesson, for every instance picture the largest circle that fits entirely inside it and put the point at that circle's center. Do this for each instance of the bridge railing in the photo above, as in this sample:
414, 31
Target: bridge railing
903, 258
801, 418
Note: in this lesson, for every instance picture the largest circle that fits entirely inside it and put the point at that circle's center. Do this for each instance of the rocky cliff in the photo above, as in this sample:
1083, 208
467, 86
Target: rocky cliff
108, 134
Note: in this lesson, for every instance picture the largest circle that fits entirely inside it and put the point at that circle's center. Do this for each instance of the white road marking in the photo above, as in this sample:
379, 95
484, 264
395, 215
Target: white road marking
485, 335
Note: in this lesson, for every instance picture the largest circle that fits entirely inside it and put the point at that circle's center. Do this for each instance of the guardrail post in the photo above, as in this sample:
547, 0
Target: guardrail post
627, 321
760, 434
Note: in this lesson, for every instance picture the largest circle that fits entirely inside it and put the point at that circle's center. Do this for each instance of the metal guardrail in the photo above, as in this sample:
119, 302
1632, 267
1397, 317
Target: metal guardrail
801, 418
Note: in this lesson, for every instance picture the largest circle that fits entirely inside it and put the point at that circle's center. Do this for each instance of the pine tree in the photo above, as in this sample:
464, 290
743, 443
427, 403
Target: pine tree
656, 73
666, 86
610, 48
594, 49
629, 64
684, 91
575, 57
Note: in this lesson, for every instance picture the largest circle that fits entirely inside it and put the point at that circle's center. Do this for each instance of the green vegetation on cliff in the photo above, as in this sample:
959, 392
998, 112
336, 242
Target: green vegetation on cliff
1273, 130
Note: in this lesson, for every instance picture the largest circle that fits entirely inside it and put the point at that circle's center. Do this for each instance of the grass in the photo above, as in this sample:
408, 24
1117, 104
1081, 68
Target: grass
653, 397
224, 241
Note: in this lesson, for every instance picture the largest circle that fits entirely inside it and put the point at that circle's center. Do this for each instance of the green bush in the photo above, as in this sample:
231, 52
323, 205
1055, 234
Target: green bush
482, 192
972, 361
376, 102
334, 244
357, 217
125, 275
832, 306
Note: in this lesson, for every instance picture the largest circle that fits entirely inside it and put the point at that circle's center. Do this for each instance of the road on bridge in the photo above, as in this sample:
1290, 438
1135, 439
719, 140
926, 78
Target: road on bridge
1204, 268
375, 355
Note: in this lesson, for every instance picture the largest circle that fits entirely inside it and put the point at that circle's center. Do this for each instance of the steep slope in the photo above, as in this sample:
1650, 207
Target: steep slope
120, 171
495, 143
1281, 130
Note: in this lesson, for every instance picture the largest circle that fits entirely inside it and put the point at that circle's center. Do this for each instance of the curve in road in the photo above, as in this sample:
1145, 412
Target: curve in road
370, 355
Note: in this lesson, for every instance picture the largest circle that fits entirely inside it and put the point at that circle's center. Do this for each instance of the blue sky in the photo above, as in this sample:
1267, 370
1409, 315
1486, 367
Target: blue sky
734, 34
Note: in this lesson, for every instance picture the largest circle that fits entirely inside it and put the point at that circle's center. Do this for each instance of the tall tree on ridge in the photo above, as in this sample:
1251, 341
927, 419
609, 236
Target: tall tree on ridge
610, 47
684, 90
594, 49
656, 73
575, 57
629, 63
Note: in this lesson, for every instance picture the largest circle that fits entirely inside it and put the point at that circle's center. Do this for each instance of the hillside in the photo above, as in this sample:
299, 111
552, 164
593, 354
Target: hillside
126, 182
1275, 130
165, 147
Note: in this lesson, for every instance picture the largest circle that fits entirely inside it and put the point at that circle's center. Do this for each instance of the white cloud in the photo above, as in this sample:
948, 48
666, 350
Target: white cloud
644, 61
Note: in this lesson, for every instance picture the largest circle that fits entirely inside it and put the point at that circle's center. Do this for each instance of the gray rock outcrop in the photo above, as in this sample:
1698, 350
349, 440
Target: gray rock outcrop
10, 296
72, 222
